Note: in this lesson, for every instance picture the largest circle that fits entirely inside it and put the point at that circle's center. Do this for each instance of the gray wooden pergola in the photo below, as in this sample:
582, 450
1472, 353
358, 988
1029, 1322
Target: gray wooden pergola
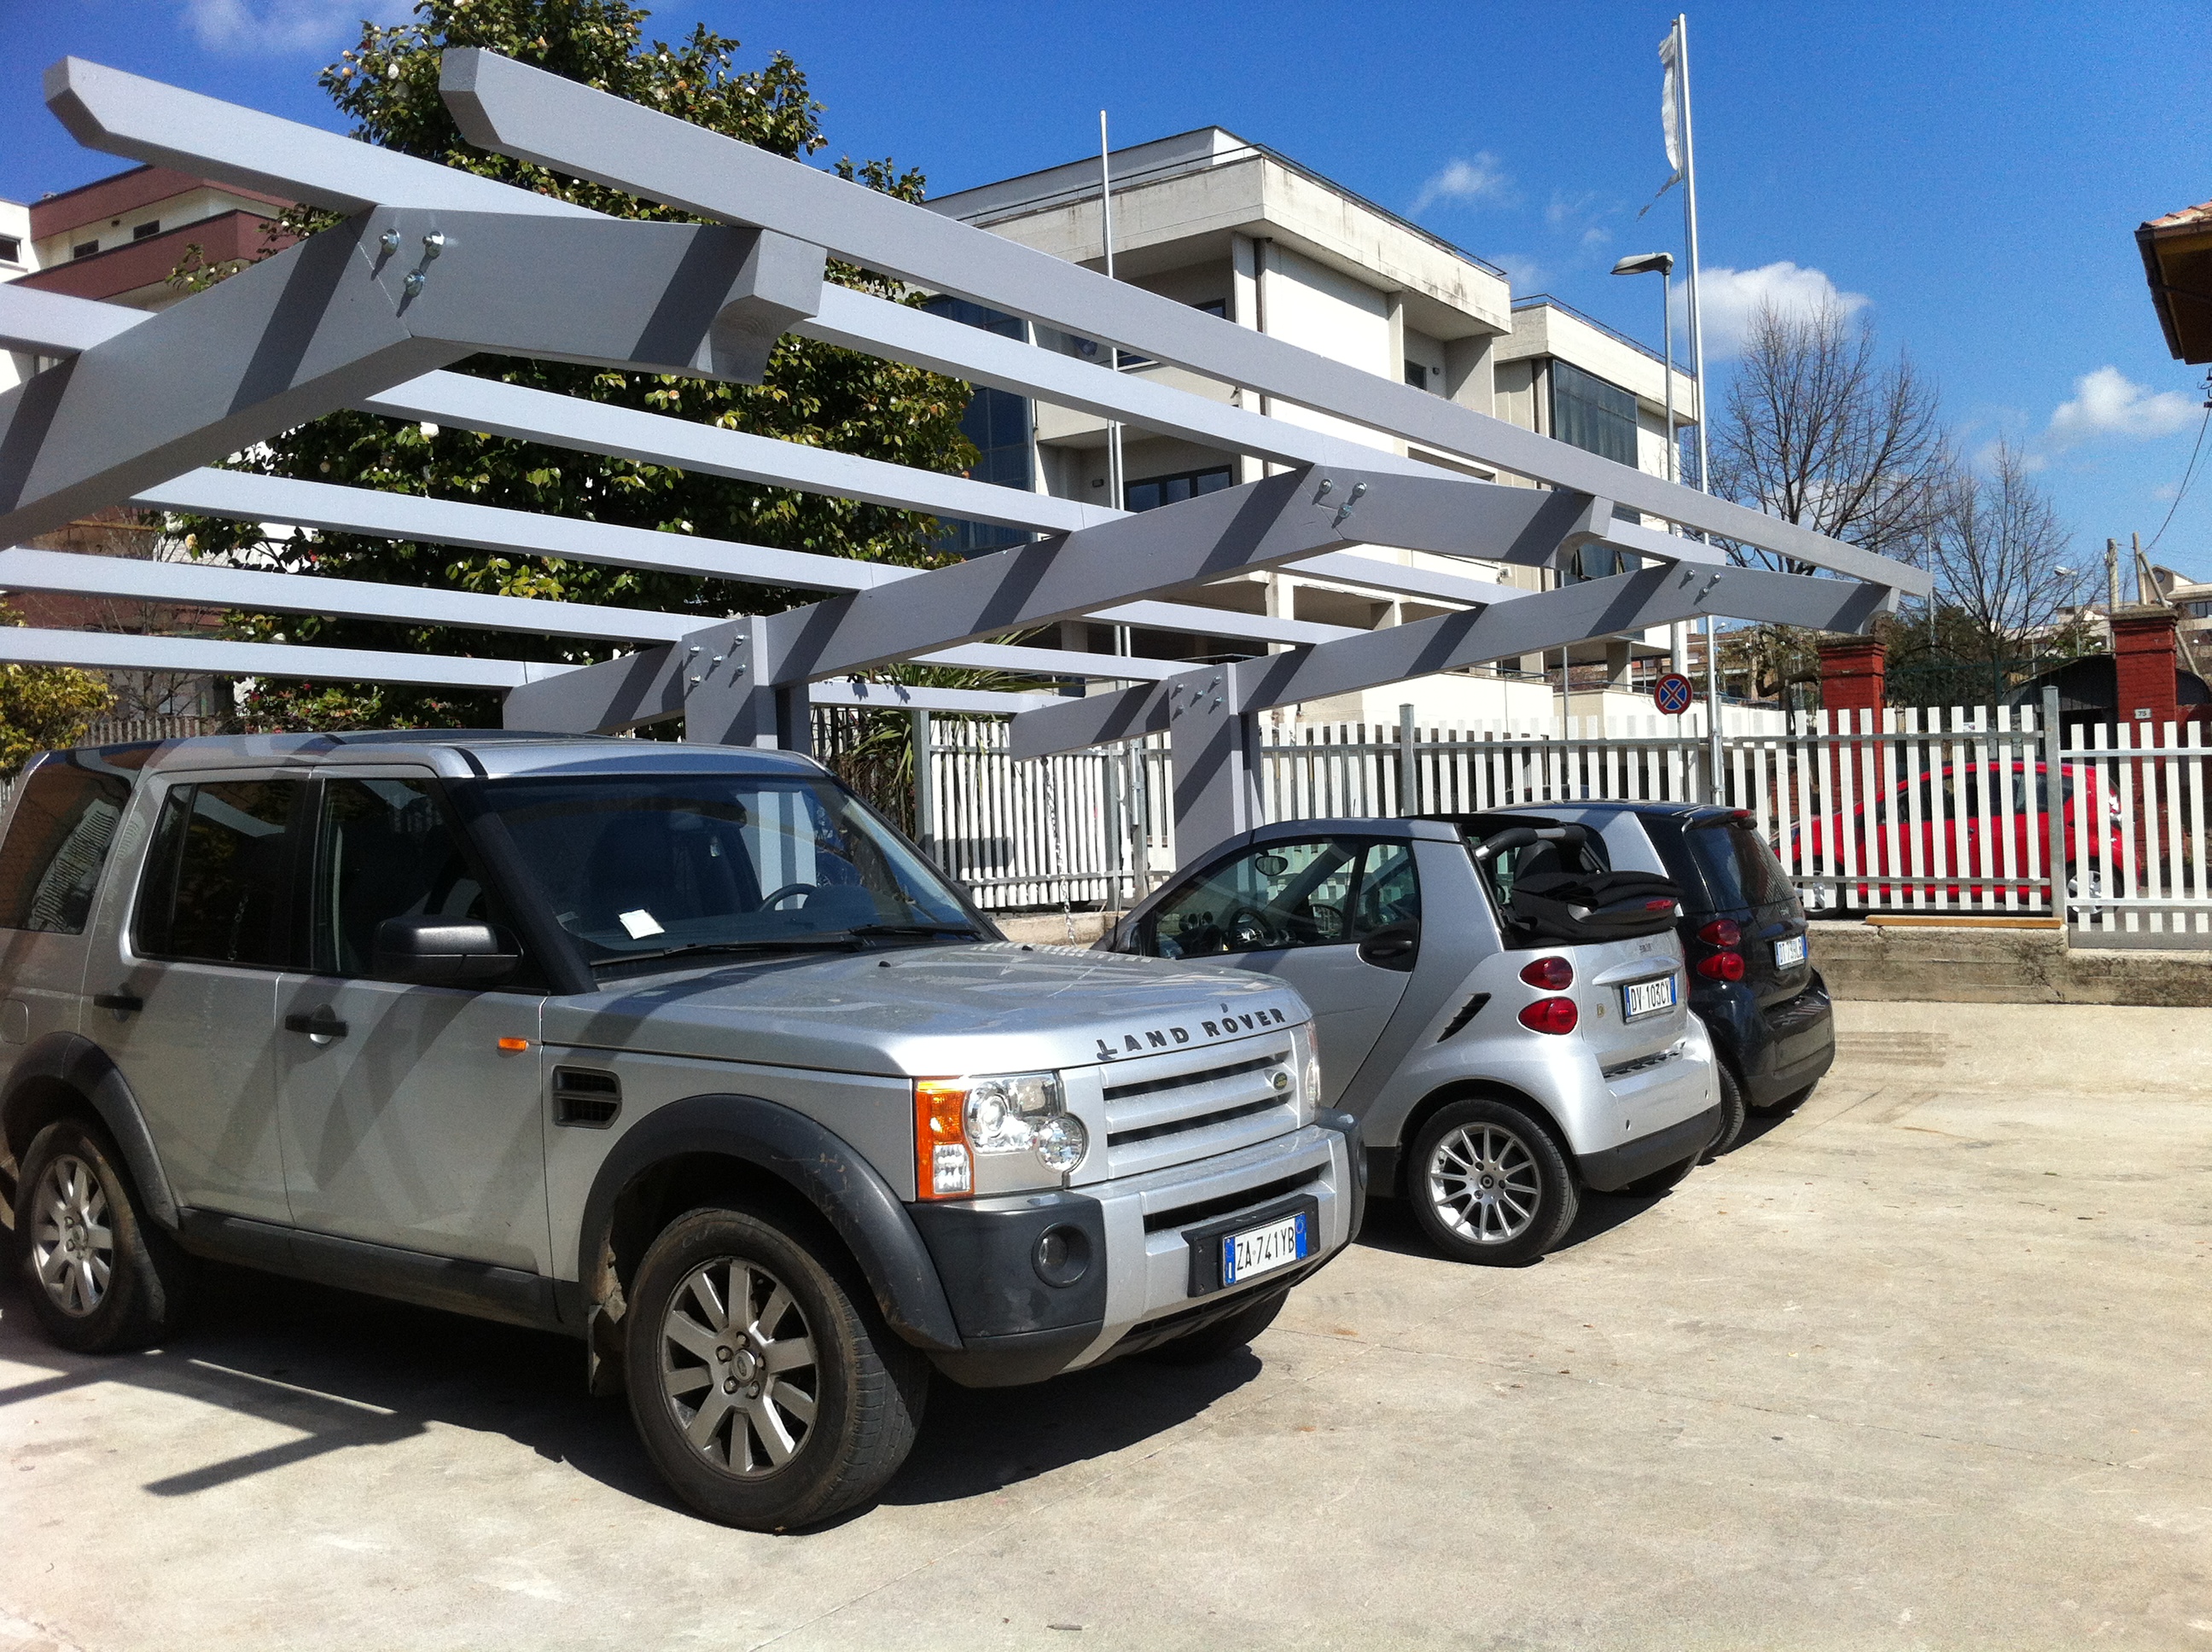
431, 265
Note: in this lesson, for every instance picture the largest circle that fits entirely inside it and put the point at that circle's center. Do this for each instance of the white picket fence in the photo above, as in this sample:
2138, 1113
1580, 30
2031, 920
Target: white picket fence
1929, 810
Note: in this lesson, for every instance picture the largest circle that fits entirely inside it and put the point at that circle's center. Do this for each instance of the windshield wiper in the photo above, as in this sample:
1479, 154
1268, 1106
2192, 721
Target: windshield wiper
969, 930
842, 939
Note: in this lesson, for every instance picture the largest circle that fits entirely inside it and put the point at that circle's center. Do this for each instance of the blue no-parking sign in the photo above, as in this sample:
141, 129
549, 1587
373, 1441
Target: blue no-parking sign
1674, 694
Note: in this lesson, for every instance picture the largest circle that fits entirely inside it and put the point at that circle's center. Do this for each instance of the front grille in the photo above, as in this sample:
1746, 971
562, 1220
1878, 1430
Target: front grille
585, 1097
1204, 1210
1184, 1080
1169, 1109
1641, 1063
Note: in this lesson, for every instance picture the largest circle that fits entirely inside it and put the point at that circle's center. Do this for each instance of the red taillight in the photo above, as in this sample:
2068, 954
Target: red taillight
1553, 975
1722, 966
1722, 931
1551, 1015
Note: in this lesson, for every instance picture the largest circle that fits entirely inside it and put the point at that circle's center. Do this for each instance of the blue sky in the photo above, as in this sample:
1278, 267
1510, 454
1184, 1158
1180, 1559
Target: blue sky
1969, 176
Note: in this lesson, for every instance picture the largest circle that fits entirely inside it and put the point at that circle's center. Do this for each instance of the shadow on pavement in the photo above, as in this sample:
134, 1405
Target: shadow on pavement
1390, 1225
349, 1371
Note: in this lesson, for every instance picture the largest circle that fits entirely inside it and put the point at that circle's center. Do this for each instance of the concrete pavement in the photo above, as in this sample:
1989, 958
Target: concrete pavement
1924, 1364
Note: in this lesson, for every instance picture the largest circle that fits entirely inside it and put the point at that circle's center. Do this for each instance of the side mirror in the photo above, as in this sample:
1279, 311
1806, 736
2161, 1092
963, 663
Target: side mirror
444, 952
1394, 946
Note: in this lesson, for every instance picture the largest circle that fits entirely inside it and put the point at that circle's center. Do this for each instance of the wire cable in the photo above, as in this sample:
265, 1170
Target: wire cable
2187, 476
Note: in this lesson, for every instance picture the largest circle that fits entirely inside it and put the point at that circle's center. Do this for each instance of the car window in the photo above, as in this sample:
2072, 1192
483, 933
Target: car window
641, 865
1390, 890
1738, 868
1277, 895
217, 878
384, 848
56, 844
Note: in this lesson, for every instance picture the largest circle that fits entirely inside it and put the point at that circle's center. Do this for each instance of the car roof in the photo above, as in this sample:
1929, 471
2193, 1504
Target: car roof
1393, 827
1683, 811
493, 753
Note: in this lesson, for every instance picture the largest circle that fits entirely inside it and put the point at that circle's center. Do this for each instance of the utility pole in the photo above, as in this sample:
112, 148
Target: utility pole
1115, 492
2111, 582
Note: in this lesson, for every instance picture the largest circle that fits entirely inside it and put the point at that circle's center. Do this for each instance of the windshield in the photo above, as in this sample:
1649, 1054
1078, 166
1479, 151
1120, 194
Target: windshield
638, 866
1739, 871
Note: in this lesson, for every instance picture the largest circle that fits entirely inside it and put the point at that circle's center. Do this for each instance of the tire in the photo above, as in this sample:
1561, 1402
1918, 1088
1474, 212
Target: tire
1791, 1103
1529, 1204
1733, 1114
816, 1403
100, 1277
1223, 1337
1659, 1180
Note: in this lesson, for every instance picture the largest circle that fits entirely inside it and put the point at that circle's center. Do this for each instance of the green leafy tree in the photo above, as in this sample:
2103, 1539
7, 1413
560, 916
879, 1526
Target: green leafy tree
813, 393
44, 708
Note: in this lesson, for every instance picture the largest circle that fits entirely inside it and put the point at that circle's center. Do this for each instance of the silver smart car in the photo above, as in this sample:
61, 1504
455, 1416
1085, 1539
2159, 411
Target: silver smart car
1504, 1013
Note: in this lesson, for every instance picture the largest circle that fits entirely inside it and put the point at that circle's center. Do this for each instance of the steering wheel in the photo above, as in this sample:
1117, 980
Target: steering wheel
785, 893
1247, 930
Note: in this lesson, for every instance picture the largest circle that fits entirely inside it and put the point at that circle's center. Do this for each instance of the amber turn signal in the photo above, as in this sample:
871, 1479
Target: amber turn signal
515, 1043
943, 1168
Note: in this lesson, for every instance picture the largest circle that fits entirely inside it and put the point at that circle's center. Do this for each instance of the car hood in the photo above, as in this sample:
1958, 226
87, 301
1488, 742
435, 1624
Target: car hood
993, 1007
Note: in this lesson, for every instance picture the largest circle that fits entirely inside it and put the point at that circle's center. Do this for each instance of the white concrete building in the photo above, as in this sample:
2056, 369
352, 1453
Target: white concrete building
1231, 227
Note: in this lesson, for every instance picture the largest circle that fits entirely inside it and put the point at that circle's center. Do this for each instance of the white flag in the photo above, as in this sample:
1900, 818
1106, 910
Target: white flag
1670, 101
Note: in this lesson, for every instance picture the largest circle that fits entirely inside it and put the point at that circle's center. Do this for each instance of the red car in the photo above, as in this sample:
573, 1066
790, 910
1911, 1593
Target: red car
1967, 858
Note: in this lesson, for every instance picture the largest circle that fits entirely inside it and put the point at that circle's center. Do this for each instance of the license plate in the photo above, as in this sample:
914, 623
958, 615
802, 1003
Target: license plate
1642, 997
1261, 1250
1789, 954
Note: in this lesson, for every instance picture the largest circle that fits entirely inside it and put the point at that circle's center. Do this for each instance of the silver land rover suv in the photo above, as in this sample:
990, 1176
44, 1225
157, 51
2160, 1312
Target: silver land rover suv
680, 1049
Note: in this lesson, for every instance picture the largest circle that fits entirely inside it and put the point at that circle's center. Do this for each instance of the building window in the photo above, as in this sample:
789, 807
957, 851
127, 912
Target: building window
1417, 375
1591, 414
84, 249
147, 229
11, 250
998, 423
1155, 491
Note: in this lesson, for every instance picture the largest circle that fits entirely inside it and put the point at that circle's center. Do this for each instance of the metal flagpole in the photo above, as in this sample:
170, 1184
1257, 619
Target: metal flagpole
1114, 489
1679, 634
1698, 374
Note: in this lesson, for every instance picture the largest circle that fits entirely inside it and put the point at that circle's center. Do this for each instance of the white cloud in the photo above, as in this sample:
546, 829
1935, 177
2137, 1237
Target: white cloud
1482, 179
268, 26
1523, 273
2108, 404
1730, 299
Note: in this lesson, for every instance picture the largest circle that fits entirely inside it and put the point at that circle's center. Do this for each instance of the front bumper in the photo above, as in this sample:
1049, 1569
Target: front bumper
1025, 1314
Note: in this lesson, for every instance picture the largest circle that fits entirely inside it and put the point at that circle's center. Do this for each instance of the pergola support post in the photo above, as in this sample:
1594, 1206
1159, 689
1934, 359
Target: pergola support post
1215, 760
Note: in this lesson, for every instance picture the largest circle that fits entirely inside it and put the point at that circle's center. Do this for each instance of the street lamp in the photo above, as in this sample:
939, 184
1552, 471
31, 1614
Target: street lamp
1644, 263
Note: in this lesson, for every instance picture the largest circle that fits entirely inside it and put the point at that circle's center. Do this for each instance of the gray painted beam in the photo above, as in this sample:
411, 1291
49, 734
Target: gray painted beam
341, 315
244, 496
1261, 524
899, 696
1622, 603
54, 323
120, 651
142, 119
528, 415
210, 584
508, 106
260, 590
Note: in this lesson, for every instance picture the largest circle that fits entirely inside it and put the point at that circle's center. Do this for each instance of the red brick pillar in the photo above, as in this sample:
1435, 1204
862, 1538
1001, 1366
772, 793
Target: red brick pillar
1852, 670
2143, 659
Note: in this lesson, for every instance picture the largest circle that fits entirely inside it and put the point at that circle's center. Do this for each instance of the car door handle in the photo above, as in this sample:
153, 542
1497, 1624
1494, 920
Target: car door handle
128, 1003
321, 1025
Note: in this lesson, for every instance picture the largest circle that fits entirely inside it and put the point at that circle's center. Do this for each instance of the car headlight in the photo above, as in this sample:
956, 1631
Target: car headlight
992, 1133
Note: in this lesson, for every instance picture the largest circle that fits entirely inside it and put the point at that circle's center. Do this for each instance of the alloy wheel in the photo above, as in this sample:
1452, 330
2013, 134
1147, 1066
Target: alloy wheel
738, 1368
72, 1247
1483, 1183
